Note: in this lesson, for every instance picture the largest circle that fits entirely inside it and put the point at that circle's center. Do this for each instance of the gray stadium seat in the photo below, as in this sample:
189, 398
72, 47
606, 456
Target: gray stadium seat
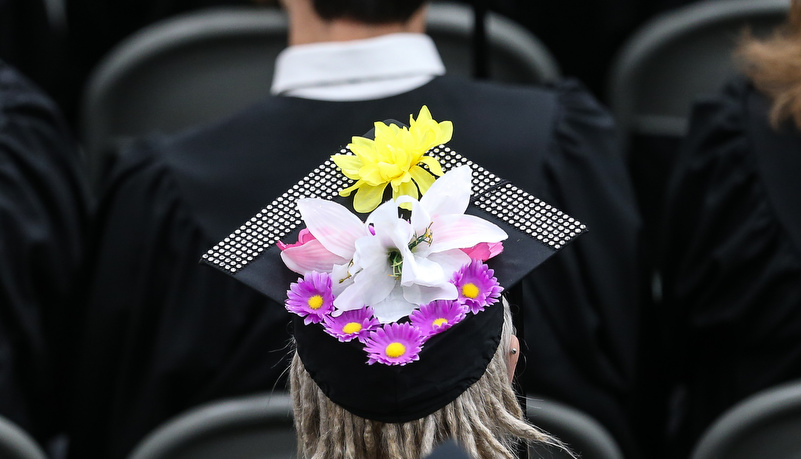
516, 56
677, 56
583, 434
252, 427
260, 426
765, 425
209, 63
15, 443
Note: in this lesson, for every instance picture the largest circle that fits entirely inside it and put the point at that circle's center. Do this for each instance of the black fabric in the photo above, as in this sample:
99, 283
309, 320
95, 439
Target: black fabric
168, 333
521, 251
449, 364
731, 261
34, 42
43, 225
779, 163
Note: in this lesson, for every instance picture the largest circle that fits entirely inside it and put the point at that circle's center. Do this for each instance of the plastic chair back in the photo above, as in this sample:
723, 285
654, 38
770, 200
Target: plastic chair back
677, 56
15, 443
767, 424
253, 427
582, 433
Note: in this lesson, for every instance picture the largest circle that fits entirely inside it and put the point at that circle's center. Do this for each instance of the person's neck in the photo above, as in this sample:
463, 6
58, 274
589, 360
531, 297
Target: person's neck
306, 27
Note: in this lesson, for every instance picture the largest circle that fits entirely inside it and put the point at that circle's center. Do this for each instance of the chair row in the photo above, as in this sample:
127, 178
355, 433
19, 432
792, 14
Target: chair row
764, 425
205, 64
260, 426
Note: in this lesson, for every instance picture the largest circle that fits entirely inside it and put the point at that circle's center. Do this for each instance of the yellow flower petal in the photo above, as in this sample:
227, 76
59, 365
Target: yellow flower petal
385, 132
422, 177
423, 116
363, 148
347, 191
445, 133
394, 156
368, 198
405, 177
390, 171
372, 174
349, 164
405, 189
433, 165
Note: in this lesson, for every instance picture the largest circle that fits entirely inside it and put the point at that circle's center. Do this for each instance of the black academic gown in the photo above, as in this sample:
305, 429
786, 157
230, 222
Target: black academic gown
166, 333
731, 257
43, 224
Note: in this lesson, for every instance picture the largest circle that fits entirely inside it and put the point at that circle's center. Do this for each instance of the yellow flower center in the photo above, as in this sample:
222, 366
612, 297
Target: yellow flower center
315, 302
470, 290
440, 321
352, 327
395, 350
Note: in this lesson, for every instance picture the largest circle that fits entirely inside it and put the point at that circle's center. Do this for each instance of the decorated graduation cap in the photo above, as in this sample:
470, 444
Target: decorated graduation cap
391, 258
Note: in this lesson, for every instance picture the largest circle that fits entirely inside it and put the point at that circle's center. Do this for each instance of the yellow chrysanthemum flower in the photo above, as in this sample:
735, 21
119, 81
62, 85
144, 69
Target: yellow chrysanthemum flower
395, 157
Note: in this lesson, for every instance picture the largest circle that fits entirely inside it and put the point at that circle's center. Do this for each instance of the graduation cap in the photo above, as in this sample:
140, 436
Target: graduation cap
394, 315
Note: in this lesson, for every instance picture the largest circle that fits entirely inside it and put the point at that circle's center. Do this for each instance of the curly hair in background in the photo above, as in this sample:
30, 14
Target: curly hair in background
774, 66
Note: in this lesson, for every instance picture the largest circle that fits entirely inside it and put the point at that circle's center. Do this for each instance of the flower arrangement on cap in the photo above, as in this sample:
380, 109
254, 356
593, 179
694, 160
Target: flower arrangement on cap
401, 336
414, 267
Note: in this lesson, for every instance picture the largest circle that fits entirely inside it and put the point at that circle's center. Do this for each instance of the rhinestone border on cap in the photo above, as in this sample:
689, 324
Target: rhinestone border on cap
277, 219
502, 199
516, 207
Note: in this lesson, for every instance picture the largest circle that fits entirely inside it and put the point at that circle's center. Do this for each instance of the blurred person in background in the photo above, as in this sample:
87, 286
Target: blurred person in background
731, 254
43, 251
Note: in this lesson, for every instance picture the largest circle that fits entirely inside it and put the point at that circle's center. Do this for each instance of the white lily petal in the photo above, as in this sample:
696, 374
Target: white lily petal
370, 286
378, 282
384, 213
390, 231
450, 260
421, 294
332, 224
399, 237
394, 307
420, 216
422, 271
352, 297
311, 256
370, 250
340, 278
450, 194
463, 231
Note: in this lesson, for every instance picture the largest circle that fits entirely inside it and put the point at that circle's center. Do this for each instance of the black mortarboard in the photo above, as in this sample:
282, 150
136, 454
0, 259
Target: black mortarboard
449, 362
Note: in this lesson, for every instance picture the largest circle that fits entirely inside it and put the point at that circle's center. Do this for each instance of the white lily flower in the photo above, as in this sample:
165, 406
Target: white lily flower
427, 250
388, 263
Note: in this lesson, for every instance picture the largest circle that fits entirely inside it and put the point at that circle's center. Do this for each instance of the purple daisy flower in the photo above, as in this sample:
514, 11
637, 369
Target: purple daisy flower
357, 323
311, 297
394, 344
438, 316
477, 286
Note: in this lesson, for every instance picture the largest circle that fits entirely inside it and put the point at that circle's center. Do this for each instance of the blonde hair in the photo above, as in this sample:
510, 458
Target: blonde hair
486, 420
773, 64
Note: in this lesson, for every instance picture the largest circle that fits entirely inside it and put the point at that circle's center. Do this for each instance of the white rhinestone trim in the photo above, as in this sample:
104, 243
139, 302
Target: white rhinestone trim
518, 208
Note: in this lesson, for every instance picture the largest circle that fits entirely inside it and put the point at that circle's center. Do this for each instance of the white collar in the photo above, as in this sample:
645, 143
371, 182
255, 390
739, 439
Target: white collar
357, 70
